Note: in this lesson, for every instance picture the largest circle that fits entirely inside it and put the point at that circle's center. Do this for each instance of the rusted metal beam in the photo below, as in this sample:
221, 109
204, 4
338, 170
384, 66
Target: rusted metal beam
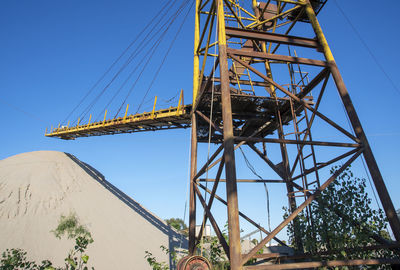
324, 164
267, 160
229, 152
272, 37
212, 196
297, 99
192, 198
294, 214
324, 74
213, 223
334, 263
210, 122
204, 87
356, 124
243, 216
285, 58
244, 180
245, 82
270, 140
206, 167
319, 255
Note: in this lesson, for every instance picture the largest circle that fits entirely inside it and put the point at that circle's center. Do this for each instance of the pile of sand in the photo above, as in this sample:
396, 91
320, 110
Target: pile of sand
37, 188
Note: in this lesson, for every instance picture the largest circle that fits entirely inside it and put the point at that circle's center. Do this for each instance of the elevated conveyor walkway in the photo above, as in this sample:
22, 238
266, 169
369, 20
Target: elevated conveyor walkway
171, 118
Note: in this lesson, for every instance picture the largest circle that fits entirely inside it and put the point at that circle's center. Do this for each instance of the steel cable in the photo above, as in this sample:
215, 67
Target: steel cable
248, 164
132, 56
150, 52
367, 48
164, 58
112, 66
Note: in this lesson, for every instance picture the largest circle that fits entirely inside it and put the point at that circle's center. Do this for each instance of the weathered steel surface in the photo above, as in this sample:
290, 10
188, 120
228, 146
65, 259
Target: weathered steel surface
172, 118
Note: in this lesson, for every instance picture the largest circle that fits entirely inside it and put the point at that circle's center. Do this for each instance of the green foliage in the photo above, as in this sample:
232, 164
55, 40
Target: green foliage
75, 260
213, 251
181, 227
16, 259
178, 224
328, 231
70, 226
160, 265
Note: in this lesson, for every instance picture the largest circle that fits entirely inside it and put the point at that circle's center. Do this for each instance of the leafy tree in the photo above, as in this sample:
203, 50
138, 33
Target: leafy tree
178, 224
323, 229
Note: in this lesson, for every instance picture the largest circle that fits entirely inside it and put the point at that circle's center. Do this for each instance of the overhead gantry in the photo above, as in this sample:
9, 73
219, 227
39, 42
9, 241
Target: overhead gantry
261, 81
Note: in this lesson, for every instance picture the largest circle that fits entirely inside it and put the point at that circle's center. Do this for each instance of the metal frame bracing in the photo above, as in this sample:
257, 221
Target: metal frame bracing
258, 85
253, 40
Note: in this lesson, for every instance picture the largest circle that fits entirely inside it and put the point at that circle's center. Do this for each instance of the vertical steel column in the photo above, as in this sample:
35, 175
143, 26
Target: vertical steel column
193, 142
192, 200
356, 124
229, 154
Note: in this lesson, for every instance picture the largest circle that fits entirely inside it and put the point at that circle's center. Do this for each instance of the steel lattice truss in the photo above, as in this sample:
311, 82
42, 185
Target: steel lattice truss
263, 75
251, 88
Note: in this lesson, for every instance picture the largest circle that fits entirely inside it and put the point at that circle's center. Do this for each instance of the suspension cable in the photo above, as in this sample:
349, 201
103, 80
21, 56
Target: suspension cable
112, 65
150, 52
163, 60
367, 48
132, 56
153, 49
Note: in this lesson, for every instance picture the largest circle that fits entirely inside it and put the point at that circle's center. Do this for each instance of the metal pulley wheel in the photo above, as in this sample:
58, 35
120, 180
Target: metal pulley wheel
193, 263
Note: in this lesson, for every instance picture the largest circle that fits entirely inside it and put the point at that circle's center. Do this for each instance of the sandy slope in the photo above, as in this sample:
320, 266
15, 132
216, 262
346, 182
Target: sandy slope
36, 188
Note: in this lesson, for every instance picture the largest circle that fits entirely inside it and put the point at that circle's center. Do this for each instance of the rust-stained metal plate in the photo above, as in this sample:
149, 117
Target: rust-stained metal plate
193, 263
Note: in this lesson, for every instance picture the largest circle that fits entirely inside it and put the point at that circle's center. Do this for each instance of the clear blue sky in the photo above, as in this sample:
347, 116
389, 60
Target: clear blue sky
52, 52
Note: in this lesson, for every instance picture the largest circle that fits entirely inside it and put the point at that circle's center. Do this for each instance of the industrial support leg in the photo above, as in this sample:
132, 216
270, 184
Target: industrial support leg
356, 124
193, 142
229, 154
192, 200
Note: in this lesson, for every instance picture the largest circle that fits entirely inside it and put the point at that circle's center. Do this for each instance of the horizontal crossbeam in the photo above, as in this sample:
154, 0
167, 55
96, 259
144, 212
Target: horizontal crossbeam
277, 57
272, 37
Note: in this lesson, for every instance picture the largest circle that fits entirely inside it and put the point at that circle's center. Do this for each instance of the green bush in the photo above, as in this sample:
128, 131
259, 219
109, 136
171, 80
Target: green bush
76, 259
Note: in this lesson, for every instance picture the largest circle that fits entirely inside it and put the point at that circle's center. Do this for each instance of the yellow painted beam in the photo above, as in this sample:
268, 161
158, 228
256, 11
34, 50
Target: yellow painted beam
126, 111
171, 117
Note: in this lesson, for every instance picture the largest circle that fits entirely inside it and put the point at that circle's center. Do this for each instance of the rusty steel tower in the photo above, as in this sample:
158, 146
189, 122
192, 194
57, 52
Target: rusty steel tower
263, 73
242, 95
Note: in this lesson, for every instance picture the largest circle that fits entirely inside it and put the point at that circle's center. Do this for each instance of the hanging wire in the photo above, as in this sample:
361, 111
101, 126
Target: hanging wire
172, 99
163, 60
151, 51
367, 48
248, 164
137, 38
167, 24
33, 116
